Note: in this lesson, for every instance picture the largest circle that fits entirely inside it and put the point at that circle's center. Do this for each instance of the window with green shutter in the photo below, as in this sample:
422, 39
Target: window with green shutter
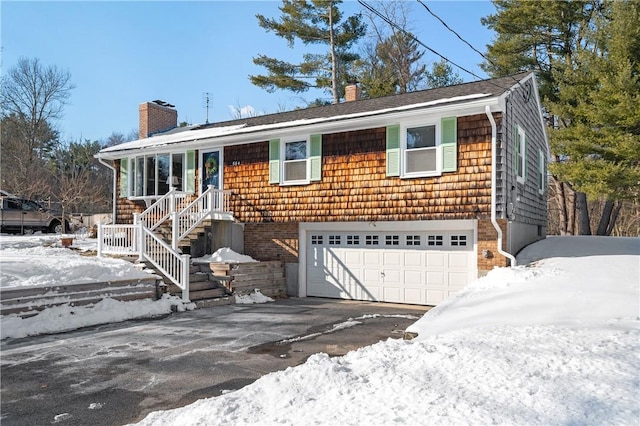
422, 148
393, 150
274, 161
316, 158
449, 142
295, 161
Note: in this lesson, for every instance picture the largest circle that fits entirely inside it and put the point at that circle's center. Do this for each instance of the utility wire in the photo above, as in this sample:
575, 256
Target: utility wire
453, 31
397, 27
460, 37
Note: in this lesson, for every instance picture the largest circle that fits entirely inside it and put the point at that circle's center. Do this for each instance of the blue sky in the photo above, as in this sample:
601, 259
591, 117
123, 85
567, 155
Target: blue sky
120, 54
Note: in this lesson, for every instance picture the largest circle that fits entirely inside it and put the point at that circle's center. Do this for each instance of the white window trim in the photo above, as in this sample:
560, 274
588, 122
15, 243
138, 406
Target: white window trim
434, 121
201, 151
542, 183
523, 149
133, 173
283, 160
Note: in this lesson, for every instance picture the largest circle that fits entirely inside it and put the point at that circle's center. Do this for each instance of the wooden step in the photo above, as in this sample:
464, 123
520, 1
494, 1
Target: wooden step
207, 294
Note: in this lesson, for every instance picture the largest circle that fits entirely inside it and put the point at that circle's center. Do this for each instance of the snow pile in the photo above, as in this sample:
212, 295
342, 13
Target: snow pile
45, 266
255, 297
38, 260
553, 344
64, 318
224, 255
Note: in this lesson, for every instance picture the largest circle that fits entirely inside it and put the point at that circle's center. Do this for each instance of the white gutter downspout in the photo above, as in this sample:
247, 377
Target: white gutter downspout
113, 214
487, 110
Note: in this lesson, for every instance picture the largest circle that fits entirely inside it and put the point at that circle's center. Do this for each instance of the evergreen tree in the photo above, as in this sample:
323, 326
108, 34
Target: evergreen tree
392, 61
313, 22
598, 137
568, 44
442, 75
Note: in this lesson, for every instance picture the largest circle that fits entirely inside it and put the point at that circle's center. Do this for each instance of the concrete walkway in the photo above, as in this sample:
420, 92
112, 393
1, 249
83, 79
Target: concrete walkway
118, 373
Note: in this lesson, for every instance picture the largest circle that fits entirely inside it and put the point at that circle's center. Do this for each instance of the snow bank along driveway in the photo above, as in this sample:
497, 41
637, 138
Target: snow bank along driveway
556, 343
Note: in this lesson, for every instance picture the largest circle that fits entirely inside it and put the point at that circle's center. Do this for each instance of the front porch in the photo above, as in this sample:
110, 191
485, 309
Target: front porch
172, 230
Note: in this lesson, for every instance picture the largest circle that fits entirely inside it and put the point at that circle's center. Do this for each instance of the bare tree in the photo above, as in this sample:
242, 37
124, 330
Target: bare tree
391, 53
32, 98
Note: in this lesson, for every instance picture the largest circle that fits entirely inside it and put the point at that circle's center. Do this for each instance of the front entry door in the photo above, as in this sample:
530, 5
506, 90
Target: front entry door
211, 170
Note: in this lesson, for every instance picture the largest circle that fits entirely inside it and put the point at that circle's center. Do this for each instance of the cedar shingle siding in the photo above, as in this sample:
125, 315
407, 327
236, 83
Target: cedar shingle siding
354, 185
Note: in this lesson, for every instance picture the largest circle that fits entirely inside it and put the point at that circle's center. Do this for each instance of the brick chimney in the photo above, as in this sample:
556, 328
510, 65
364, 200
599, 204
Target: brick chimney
352, 92
156, 116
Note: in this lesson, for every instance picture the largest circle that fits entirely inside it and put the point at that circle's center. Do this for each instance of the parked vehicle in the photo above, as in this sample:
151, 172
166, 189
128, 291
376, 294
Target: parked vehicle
20, 215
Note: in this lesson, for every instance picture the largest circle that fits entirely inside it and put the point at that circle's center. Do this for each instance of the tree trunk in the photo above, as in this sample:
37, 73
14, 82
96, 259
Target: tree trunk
609, 216
571, 206
562, 206
614, 218
584, 225
334, 63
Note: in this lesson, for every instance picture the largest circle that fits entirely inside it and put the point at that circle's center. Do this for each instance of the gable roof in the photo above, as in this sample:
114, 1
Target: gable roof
460, 92
450, 95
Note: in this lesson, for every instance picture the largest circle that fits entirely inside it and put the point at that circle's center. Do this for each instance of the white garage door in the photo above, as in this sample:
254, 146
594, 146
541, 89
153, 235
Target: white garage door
403, 267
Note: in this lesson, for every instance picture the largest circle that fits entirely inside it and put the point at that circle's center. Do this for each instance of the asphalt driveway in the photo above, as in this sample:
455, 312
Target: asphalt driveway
118, 373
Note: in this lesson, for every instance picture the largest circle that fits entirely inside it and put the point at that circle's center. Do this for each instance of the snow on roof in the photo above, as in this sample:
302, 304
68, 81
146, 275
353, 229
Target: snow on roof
166, 139
215, 132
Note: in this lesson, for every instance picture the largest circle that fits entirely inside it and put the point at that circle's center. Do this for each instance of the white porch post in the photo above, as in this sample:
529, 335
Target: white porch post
138, 236
175, 230
100, 248
185, 259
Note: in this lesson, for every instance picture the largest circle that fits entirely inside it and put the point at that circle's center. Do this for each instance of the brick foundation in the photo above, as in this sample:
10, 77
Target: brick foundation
272, 241
487, 240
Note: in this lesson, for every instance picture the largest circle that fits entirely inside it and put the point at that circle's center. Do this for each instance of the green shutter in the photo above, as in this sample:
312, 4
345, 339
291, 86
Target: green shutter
524, 157
449, 142
316, 157
124, 177
274, 161
393, 150
190, 185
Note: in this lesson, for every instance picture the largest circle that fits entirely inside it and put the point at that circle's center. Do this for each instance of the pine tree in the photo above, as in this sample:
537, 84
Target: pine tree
570, 44
392, 61
313, 22
442, 75
598, 140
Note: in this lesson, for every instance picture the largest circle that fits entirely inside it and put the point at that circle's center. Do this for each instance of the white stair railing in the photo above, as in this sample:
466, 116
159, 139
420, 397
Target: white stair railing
186, 220
161, 209
117, 240
168, 261
139, 238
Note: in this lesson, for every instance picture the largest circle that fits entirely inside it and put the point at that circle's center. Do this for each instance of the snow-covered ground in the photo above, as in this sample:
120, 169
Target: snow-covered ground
556, 342
40, 260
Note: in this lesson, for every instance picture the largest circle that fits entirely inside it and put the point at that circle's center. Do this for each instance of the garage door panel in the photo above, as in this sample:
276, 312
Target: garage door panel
435, 278
353, 257
392, 276
392, 258
404, 268
413, 277
413, 258
413, 295
392, 294
459, 260
436, 259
